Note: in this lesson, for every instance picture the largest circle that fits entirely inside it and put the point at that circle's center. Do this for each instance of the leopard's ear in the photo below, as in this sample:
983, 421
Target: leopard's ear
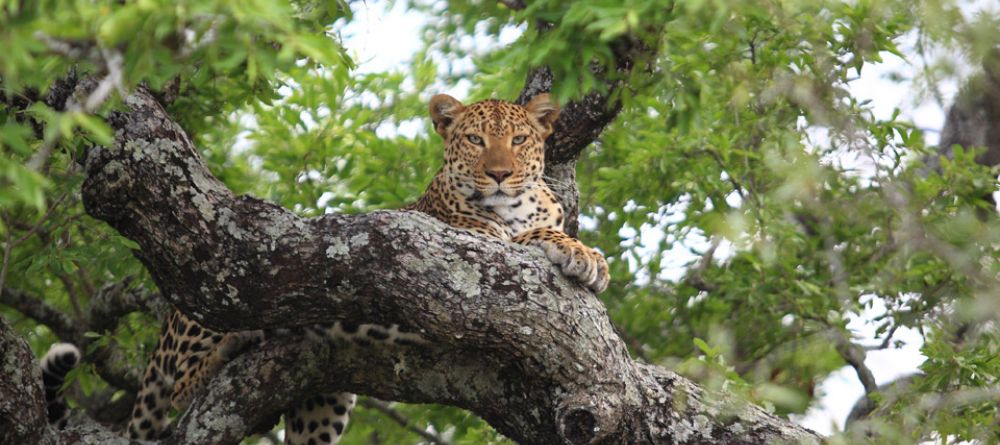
444, 109
544, 110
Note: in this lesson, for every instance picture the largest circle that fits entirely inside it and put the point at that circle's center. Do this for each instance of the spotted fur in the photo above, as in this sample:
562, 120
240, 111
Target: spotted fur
491, 183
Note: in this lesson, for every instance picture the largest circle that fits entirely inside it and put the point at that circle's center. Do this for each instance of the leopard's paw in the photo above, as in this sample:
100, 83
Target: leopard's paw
578, 261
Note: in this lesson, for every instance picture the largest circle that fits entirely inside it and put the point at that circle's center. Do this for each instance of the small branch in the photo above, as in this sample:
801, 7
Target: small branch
636, 346
115, 300
74, 298
84, 277
114, 367
854, 355
959, 398
581, 121
753, 47
694, 277
10, 244
402, 420
73, 50
886, 340
40, 311
113, 64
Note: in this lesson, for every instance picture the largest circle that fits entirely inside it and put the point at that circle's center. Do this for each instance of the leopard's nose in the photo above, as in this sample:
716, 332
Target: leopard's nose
499, 175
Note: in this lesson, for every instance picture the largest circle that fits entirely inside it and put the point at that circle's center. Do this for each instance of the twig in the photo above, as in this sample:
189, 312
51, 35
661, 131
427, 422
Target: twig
384, 407
74, 298
885, 342
695, 278
81, 274
71, 50
112, 61
113, 301
855, 355
925, 67
11, 243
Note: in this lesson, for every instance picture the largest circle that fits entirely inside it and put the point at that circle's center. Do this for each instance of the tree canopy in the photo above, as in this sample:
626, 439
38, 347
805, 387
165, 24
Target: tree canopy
732, 133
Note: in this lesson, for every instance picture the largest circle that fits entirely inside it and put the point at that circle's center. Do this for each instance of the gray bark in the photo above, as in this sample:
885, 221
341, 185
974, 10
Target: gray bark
22, 399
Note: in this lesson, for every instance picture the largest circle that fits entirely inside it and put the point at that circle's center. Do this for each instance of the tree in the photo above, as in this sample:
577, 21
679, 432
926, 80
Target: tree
151, 129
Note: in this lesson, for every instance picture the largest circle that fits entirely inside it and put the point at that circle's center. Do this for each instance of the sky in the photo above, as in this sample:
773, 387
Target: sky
383, 37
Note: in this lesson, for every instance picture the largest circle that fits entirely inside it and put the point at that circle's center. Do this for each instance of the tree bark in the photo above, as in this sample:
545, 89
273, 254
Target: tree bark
510, 338
22, 399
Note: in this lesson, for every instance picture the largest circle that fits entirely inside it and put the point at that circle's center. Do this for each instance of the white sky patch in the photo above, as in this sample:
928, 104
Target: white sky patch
409, 128
381, 39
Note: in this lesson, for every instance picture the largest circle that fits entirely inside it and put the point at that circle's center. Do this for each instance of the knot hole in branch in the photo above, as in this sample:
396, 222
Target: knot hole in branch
578, 426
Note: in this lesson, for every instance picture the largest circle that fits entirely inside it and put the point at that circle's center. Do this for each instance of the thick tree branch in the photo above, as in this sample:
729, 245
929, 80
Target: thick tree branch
511, 338
582, 121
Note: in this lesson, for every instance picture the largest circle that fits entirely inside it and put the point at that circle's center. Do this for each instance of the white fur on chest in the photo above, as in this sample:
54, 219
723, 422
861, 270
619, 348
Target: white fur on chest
521, 213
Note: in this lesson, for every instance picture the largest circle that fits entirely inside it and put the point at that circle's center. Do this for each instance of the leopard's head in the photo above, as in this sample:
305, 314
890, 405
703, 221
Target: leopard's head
494, 149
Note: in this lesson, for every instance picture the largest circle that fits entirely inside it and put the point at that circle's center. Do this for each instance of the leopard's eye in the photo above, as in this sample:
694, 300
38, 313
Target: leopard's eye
518, 140
475, 139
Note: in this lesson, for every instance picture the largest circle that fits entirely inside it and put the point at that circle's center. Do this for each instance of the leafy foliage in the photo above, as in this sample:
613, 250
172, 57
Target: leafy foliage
740, 242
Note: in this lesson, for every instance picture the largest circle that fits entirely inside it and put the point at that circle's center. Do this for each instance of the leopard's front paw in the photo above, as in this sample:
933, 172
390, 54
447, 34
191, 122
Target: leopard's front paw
581, 262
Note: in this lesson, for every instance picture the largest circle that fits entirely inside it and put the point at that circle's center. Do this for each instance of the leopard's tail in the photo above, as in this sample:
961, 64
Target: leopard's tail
59, 361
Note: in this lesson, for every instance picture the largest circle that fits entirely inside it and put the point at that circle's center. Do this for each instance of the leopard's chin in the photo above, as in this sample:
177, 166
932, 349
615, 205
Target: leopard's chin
496, 195
494, 190
498, 199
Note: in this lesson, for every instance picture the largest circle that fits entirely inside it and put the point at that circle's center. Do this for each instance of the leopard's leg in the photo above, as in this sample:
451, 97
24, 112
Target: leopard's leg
573, 257
320, 420
149, 414
180, 340
207, 352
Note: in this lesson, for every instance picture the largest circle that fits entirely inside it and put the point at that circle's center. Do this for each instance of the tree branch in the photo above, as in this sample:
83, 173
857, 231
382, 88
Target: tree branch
40, 311
513, 340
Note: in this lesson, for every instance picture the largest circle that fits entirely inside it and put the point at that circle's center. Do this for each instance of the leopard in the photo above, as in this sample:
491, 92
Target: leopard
491, 183
492, 180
